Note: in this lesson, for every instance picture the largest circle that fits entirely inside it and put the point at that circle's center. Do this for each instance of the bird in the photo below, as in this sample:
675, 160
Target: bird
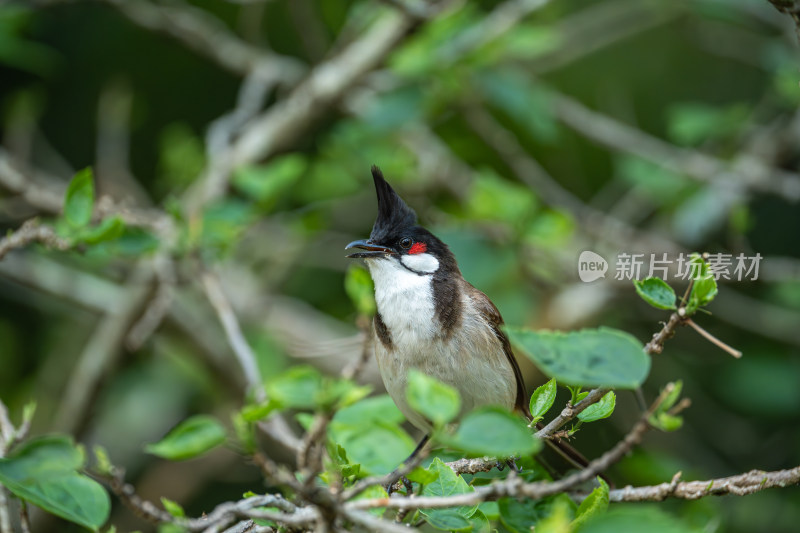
431, 319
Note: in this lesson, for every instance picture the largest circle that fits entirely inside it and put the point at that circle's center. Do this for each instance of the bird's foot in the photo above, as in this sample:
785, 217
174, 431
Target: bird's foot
390, 486
511, 462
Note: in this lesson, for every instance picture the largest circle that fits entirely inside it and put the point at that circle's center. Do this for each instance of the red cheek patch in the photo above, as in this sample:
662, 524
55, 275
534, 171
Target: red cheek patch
418, 248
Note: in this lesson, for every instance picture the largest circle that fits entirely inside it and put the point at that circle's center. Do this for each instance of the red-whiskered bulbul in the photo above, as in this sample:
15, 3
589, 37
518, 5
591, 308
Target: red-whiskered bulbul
431, 319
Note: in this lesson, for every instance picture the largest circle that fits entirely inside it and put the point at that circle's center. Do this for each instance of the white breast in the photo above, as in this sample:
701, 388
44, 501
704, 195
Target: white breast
404, 300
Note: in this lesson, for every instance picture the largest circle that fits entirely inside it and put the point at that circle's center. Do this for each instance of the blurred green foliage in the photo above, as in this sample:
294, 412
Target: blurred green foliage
717, 78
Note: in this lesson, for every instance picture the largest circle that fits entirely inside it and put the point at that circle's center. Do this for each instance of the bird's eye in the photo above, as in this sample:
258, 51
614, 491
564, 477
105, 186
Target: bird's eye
406, 242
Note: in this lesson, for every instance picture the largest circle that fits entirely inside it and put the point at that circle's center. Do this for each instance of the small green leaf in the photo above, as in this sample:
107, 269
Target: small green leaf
629, 519
245, 432
446, 520
704, 288
192, 437
267, 183
594, 504
359, 287
558, 521
671, 398
704, 291
438, 402
297, 387
525, 515
542, 399
43, 471
665, 421
480, 523
379, 448
601, 357
447, 483
477, 434
102, 460
79, 199
599, 410
256, 412
656, 292
173, 508
28, 412
374, 409
422, 476
109, 229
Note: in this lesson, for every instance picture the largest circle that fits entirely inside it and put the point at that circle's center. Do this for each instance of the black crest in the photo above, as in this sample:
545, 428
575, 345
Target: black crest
393, 212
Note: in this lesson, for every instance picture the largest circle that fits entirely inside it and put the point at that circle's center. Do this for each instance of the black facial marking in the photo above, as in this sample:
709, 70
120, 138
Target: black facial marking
382, 332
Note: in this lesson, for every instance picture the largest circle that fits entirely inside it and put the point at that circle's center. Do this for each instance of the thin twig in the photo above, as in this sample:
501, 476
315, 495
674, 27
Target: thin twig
241, 348
32, 231
713, 340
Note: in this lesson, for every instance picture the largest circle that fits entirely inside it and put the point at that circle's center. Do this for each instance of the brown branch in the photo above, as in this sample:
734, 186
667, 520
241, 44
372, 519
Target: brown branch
290, 118
32, 231
222, 515
204, 34
749, 171
740, 485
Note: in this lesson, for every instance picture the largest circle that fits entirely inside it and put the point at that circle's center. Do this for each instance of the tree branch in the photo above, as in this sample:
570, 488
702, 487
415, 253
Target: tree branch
739, 485
32, 231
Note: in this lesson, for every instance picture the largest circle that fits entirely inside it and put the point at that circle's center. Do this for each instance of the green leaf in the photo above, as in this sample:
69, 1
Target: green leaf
542, 399
703, 292
447, 483
109, 229
422, 476
375, 409
438, 402
691, 123
192, 437
480, 523
594, 504
656, 292
630, 519
591, 357
256, 412
102, 460
43, 471
297, 387
173, 508
447, 520
378, 447
359, 288
672, 398
666, 421
558, 521
338, 393
599, 410
521, 516
79, 199
245, 432
267, 183
477, 434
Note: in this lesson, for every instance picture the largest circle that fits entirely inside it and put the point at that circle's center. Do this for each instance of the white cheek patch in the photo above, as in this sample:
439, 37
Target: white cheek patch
425, 263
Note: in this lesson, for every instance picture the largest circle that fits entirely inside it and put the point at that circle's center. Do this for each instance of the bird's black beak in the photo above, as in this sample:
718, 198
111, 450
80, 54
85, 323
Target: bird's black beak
372, 250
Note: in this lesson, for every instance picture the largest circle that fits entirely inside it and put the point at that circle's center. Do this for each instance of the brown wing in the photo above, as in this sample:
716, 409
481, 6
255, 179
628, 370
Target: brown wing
495, 320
